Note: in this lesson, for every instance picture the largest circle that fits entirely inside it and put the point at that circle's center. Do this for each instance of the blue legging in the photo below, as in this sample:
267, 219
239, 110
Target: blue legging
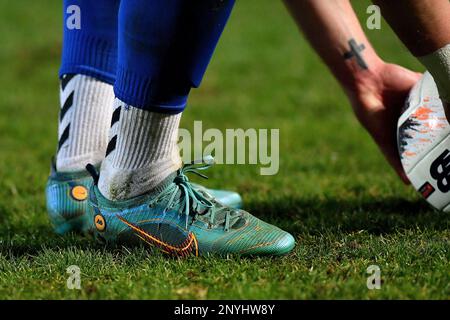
153, 51
92, 49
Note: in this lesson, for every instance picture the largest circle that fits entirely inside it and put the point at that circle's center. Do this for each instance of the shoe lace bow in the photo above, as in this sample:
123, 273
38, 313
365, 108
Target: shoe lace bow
182, 196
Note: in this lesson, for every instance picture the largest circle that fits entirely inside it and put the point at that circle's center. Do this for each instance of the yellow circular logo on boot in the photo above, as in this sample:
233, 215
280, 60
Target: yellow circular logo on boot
100, 222
79, 193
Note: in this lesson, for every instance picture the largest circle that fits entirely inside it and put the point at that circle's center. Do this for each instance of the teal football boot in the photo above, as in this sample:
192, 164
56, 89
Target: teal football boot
182, 220
67, 195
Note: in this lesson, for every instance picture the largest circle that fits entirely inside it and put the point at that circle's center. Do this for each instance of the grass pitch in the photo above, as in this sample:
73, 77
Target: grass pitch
334, 191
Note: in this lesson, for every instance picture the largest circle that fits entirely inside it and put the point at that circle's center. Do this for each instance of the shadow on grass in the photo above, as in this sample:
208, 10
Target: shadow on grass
18, 241
296, 215
376, 216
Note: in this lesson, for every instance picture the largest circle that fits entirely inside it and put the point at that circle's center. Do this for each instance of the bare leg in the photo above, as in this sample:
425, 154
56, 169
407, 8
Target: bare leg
424, 27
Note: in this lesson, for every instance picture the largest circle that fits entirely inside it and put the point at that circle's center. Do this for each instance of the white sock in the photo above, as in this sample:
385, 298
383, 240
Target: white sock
438, 64
142, 151
84, 122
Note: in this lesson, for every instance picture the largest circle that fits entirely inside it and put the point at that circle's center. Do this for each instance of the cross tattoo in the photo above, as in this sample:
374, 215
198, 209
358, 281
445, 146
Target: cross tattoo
355, 51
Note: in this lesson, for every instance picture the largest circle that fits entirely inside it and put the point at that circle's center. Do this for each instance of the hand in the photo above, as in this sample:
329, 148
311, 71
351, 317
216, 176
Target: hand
377, 98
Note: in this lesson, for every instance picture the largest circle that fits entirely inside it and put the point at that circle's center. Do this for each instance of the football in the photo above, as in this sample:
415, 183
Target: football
423, 136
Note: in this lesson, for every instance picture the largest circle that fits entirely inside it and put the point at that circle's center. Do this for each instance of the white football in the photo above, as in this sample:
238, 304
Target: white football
423, 136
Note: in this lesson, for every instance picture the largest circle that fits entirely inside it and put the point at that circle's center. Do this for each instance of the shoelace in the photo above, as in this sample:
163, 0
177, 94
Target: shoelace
190, 197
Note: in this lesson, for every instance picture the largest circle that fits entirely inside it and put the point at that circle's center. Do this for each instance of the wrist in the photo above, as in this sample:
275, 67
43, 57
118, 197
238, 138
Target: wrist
356, 79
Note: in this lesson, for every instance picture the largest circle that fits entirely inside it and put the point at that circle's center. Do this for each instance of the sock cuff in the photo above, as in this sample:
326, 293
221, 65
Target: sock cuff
89, 55
438, 64
140, 92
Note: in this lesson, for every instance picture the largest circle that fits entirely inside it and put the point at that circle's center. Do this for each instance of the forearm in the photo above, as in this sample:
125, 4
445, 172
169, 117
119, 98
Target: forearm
330, 26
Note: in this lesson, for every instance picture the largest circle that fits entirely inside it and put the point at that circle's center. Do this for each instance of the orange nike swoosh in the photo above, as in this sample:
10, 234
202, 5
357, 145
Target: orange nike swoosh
190, 245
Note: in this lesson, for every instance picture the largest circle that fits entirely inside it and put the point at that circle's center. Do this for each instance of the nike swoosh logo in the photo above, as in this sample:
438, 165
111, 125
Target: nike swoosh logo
187, 247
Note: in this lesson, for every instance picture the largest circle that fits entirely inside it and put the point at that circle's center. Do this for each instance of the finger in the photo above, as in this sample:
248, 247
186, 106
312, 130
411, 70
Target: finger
402, 174
390, 152
398, 167
447, 110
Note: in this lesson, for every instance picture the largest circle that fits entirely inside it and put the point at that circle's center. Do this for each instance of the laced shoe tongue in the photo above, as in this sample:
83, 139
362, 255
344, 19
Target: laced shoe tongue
221, 212
205, 208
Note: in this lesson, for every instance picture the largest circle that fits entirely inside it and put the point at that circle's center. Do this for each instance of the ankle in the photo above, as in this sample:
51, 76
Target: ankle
122, 183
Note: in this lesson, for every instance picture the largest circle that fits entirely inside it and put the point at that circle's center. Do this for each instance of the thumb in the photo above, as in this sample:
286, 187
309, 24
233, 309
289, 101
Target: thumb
400, 79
